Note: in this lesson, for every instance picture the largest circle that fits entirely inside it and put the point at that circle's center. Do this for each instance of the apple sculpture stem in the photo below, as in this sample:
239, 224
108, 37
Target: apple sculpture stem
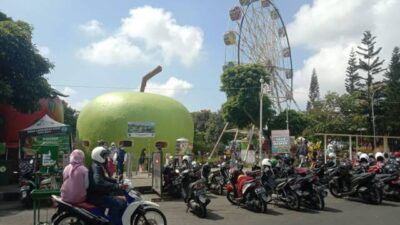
148, 76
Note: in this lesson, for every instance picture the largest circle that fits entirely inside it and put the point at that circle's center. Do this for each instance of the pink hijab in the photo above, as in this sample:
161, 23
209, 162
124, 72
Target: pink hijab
76, 159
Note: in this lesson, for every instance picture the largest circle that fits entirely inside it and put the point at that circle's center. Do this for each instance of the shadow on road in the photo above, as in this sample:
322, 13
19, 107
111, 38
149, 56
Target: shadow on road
213, 216
332, 210
273, 212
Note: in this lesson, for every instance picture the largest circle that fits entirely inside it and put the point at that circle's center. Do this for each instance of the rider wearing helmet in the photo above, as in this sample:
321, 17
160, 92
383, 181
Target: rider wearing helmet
186, 161
101, 185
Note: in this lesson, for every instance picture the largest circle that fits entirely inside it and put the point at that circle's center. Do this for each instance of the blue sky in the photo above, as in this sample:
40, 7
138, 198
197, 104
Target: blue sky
61, 32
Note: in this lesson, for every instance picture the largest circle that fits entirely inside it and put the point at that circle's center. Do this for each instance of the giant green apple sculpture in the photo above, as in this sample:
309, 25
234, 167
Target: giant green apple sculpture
107, 117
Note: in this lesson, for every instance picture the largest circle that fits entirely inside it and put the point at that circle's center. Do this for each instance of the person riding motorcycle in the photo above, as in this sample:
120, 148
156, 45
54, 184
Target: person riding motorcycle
101, 185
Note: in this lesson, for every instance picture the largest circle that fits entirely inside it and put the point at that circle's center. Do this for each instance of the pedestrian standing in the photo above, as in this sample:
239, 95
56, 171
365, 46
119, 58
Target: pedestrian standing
142, 159
120, 159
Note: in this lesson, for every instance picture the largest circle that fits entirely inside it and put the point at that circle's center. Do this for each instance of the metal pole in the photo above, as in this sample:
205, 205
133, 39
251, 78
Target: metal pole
219, 139
287, 116
261, 112
373, 117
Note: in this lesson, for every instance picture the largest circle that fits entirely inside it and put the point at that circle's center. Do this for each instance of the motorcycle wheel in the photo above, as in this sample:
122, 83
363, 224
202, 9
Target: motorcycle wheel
292, 200
202, 211
318, 201
221, 190
231, 197
376, 196
68, 219
334, 191
262, 206
152, 216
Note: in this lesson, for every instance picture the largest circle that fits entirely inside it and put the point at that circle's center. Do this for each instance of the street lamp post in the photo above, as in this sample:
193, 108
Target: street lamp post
373, 113
261, 112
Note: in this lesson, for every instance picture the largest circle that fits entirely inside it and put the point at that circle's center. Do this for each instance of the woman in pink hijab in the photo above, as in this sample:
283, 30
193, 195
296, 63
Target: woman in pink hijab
76, 179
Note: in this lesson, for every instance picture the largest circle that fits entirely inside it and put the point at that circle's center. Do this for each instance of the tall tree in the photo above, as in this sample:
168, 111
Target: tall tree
352, 76
70, 117
21, 66
371, 65
241, 83
313, 94
392, 94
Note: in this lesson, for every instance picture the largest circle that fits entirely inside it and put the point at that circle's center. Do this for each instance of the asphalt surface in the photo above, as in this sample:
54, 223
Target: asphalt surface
221, 212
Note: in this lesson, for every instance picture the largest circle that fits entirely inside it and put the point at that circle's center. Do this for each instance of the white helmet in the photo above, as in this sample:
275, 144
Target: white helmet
194, 164
186, 157
364, 156
379, 155
332, 155
170, 157
266, 162
99, 154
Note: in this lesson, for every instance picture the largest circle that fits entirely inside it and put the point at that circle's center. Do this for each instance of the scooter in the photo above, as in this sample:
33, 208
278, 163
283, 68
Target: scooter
138, 212
194, 193
218, 179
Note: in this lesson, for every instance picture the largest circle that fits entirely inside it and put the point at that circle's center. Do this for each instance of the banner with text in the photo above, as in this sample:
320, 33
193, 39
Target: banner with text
280, 141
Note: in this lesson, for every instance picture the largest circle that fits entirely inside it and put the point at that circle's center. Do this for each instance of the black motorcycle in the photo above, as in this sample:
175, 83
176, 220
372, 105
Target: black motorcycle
281, 189
310, 191
194, 192
172, 181
344, 183
218, 179
390, 177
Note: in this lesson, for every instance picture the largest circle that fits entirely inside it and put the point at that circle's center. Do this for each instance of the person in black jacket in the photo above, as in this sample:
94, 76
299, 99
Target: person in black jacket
101, 186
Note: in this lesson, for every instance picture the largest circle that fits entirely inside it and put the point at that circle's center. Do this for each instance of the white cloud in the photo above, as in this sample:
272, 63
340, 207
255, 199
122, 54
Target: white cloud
92, 28
172, 87
149, 34
44, 50
113, 50
330, 28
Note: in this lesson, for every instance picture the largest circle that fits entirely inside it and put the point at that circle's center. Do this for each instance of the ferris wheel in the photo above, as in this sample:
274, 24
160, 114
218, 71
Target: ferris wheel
258, 35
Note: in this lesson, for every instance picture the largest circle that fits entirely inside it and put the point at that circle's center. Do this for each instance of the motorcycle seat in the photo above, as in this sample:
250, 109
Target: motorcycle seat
85, 205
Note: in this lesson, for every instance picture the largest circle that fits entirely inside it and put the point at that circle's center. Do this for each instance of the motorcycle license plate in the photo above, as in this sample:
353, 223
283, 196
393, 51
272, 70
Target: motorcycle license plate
260, 190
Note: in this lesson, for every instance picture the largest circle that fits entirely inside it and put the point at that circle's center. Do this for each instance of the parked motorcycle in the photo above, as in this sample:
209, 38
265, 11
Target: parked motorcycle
309, 190
138, 212
247, 190
218, 179
194, 192
389, 175
362, 185
172, 182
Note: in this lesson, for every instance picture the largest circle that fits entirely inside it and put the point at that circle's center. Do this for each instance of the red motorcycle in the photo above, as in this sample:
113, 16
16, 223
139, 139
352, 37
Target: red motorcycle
247, 190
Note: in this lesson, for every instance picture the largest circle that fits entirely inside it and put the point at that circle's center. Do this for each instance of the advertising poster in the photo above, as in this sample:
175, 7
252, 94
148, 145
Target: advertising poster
280, 141
141, 129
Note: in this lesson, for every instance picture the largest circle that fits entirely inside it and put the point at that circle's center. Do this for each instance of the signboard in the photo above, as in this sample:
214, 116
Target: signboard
30, 143
280, 141
157, 173
141, 129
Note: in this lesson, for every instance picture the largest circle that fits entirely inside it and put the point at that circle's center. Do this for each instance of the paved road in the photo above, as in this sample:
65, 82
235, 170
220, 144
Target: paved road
338, 211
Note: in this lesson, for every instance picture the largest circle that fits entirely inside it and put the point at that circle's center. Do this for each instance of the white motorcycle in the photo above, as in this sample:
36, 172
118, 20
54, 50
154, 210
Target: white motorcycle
137, 212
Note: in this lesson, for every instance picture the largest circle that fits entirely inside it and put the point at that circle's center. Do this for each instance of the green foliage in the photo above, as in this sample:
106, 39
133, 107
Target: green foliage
352, 76
371, 65
313, 94
208, 127
297, 122
70, 117
21, 66
241, 83
335, 114
392, 94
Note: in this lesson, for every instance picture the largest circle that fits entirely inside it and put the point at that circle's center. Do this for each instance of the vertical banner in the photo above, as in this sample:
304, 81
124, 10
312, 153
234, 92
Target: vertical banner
280, 140
157, 173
